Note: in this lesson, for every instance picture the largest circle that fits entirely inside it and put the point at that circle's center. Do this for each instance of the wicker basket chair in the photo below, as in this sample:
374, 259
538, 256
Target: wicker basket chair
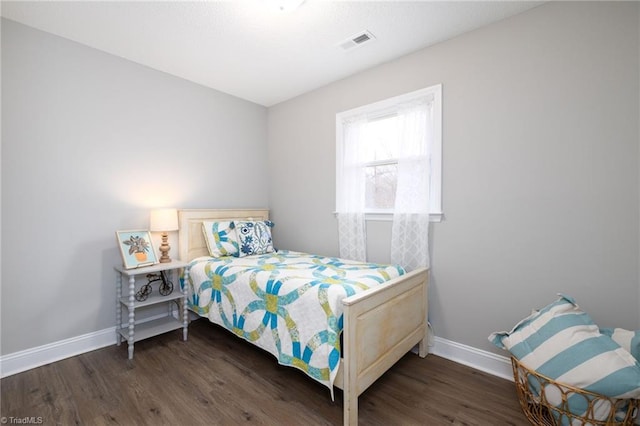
541, 412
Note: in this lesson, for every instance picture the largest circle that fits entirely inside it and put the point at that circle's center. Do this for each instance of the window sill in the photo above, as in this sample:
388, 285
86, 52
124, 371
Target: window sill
388, 217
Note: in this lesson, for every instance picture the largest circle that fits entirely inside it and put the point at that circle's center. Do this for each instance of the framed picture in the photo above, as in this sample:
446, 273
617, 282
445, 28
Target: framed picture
136, 248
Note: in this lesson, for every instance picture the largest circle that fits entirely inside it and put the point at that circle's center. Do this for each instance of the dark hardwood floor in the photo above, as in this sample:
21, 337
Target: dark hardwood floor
218, 379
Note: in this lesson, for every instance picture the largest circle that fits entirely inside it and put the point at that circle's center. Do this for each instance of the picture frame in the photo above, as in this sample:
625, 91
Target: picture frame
136, 248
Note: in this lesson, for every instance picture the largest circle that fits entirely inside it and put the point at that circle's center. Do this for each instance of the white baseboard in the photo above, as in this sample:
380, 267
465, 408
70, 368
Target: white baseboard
31, 358
18, 362
496, 365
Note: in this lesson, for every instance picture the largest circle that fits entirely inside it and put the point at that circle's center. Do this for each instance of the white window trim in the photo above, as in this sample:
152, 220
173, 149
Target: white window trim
382, 108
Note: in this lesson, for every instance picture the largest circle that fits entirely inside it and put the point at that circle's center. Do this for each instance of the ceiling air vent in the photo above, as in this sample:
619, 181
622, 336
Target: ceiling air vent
356, 40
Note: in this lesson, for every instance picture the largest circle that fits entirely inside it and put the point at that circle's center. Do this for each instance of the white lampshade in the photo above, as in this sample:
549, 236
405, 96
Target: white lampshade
162, 220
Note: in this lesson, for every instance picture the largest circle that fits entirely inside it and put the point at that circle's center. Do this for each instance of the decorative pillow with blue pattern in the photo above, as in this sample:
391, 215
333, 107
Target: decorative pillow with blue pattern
221, 238
562, 342
254, 237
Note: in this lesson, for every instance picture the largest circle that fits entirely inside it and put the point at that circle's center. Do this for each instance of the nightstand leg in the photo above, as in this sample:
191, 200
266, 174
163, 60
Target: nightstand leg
132, 292
118, 308
185, 322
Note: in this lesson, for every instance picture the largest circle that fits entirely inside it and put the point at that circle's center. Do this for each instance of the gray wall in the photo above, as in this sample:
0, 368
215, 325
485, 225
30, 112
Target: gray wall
540, 168
90, 143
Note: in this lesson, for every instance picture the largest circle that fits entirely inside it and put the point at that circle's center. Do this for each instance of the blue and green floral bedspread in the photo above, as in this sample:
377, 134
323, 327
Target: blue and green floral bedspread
287, 303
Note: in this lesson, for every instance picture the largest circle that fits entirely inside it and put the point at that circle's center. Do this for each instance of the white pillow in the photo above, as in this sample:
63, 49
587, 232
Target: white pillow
221, 238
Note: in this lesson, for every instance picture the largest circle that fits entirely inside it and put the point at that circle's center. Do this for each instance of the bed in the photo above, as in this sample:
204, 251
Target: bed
381, 320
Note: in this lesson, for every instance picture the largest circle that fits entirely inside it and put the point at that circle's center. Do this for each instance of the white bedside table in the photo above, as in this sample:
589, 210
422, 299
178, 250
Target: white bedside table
139, 331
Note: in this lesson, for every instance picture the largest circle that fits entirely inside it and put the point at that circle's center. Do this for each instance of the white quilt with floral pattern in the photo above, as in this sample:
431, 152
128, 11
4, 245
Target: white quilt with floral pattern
287, 303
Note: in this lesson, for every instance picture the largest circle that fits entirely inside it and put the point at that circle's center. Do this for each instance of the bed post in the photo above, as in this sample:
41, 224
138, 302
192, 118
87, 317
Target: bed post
350, 409
423, 346
376, 336
350, 373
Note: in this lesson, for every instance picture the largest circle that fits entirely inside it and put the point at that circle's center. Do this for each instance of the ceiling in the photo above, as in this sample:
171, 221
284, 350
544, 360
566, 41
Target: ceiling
253, 50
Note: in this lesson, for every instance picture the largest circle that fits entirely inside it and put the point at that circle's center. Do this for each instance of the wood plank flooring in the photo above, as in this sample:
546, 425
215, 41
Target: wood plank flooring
217, 379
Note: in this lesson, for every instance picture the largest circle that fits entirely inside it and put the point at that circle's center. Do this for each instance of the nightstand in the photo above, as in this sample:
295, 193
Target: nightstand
142, 330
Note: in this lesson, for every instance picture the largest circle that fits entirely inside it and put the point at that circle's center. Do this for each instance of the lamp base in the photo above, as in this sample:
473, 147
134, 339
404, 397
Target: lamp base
164, 249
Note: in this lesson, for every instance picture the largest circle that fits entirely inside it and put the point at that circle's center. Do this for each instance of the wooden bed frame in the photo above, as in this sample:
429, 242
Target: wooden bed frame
387, 320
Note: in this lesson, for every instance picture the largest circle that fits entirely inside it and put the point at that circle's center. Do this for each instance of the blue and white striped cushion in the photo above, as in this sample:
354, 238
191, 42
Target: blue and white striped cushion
562, 342
629, 340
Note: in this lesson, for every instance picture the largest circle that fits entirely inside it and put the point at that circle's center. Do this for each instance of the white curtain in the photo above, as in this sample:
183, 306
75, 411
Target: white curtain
351, 194
410, 229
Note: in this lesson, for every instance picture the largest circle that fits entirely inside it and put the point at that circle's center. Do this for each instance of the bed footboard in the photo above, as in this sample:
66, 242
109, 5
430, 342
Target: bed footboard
380, 326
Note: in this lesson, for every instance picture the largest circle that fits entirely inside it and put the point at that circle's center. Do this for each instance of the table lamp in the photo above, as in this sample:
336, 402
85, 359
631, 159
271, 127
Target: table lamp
164, 220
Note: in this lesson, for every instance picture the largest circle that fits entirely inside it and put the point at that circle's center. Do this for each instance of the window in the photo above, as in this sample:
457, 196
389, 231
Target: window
373, 139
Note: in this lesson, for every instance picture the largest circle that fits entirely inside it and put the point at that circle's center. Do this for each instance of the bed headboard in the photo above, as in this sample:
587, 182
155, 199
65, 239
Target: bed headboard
191, 243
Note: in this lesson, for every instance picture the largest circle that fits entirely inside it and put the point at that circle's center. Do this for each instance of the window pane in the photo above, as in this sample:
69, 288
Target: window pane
381, 186
370, 136
381, 137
